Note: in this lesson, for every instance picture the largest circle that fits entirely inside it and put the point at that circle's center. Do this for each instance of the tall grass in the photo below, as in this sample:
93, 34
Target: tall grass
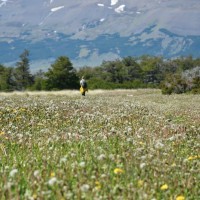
120, 144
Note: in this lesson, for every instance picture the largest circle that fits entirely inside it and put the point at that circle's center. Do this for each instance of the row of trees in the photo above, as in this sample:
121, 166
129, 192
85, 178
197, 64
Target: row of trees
178, 75
60, 76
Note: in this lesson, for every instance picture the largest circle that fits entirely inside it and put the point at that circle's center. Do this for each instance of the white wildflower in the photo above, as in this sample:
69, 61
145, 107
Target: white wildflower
63, 160
101, 157
129, 140
112, 130
69, 195
140, 130
82, 164
6, 167
143, 157
172, 138
85, 188
112, 157
13, 172
28, 194
73, 155
36, 173
159, 145
142, 165
8, 185
129, 129
103, 176
93, 177
52, 181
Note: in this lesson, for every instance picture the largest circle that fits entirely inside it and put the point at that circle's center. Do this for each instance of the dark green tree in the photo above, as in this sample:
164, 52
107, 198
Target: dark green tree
23, 77
115, 71
39, 81
174, 84
151, 67
89, 72
6, 78
62, 75
134, 70
196, 86
185, 63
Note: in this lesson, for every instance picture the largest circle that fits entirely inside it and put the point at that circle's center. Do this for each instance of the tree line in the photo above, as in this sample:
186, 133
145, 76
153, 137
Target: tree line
177, 75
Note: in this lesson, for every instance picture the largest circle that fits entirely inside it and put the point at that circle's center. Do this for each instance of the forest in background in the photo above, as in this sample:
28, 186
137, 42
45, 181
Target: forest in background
179, 75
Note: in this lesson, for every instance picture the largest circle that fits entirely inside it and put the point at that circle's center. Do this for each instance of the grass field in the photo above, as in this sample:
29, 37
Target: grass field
122, 144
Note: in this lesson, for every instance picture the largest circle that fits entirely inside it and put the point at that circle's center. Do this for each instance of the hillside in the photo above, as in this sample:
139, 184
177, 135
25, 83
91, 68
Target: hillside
92, 31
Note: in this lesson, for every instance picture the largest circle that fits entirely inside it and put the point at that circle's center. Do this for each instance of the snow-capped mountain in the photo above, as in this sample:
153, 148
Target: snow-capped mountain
91, 31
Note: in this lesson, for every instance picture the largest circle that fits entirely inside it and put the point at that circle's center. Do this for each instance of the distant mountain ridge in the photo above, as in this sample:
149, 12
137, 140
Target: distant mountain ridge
91, 31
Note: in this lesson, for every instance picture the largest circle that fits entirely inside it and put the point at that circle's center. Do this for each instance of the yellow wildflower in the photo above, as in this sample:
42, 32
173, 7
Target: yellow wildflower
118, 171
14, 111
34, 196
2, 133
141, 143
193, 157
140, 183
164, 187
97, 185
22, 109
180, 197
173, 164
52, 174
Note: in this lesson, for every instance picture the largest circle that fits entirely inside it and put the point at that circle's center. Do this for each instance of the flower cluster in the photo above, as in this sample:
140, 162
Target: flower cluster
122, 144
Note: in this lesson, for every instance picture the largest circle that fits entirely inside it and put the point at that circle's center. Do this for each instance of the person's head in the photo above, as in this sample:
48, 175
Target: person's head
82, 77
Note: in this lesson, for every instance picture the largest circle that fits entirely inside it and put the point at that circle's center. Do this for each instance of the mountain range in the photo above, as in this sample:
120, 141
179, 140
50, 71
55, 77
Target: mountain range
91, 31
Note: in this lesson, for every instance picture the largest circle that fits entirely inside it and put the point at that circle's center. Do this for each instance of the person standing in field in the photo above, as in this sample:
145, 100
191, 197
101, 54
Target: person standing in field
83, 85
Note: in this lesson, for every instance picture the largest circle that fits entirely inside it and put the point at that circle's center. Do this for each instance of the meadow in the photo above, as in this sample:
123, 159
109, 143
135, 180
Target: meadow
120, 144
